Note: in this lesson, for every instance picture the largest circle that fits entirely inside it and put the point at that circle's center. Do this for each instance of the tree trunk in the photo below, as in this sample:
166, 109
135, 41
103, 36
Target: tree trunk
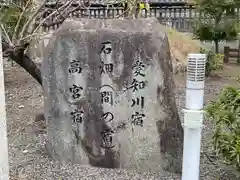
217, 21
17, 54
216, 46
26, 63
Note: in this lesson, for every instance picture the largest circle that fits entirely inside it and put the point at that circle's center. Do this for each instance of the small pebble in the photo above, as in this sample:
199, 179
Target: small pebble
21, 106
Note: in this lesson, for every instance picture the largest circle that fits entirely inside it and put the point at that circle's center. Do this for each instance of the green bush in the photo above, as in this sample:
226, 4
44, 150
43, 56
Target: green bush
214, 61
225, 115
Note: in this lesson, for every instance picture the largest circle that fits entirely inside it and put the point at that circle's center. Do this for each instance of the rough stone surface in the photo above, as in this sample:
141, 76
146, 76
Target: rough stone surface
109, 96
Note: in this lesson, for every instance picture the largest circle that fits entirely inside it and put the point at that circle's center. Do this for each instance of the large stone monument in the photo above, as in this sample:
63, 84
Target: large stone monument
109, 96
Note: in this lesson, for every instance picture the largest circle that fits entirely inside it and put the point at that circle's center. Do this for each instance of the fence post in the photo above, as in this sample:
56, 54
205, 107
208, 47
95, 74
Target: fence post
238, 55
4, 166
125, 10
190, 19
226, 54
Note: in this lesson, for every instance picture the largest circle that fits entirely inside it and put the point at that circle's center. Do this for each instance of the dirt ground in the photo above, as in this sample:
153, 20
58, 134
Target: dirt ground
28, 161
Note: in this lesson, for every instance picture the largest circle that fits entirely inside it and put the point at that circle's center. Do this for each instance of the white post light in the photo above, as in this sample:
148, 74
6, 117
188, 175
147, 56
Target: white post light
4, 167
193, 116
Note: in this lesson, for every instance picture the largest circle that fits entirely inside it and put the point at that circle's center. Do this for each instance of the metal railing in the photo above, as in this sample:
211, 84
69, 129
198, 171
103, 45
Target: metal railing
177, 15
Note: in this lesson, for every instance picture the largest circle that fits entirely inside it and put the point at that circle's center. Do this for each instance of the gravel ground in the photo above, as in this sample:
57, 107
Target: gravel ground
28, 161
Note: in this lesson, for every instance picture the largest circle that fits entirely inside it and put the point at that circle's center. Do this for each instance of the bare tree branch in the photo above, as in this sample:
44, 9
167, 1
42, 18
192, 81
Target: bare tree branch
61, 13
53, 13
25, 27
6, 34
33, 35
19, 20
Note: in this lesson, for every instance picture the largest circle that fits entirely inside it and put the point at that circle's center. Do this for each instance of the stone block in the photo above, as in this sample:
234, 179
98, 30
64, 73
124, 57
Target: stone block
109, 95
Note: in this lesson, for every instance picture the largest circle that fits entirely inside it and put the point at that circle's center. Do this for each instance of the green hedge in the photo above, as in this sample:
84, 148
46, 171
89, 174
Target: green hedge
225, 115
214, 61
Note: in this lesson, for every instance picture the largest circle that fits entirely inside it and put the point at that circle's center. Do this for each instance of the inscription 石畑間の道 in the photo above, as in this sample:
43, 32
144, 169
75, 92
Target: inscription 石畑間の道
107, 93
